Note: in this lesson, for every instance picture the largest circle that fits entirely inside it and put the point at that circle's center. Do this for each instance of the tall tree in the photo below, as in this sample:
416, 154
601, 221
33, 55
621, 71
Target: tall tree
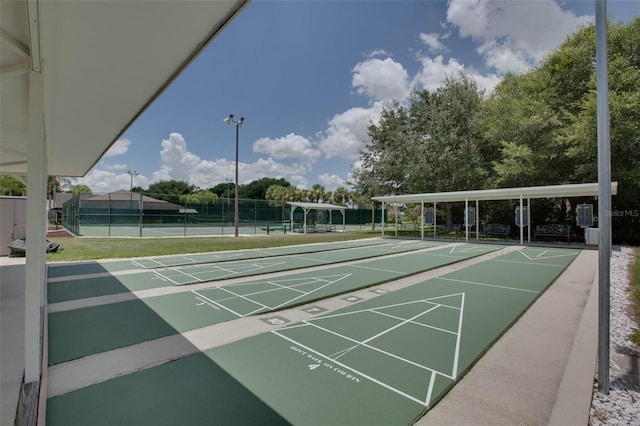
12, 186
169, 190
432, 146
256, 190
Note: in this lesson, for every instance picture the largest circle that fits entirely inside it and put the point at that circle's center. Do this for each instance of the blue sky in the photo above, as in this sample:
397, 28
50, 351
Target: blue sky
310, 76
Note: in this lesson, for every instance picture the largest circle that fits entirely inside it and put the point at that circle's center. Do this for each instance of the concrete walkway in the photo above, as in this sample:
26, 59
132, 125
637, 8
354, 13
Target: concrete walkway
11, 335
539, 372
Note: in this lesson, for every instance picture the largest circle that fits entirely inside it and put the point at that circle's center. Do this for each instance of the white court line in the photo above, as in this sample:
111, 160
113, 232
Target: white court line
314, 290
245, 298
373, 310
382, 333
366, 376
216, 303
163, 277
378, 269
546, 251
265, 291
525, 263
343, 352
487, 285
418, 323
389, 354
432, 381
188, 275
136, 263
456, 355
284, 287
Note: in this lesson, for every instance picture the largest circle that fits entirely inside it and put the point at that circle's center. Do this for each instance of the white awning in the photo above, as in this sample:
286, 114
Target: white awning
316, 206
102, 64
550, 191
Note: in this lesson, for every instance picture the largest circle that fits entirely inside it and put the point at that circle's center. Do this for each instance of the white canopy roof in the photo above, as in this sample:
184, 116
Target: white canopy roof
102, 63
550, 191
316, 206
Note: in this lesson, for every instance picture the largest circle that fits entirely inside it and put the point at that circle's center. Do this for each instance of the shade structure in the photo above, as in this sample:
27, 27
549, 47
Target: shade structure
74, 76
548, 191
307, 207
521, 193
102, 63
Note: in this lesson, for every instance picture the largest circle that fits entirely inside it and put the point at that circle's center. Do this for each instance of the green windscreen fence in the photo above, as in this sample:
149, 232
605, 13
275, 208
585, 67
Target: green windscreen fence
125, 213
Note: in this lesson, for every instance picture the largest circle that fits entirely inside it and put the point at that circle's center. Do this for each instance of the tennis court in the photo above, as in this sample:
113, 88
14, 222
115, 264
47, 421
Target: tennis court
384, 360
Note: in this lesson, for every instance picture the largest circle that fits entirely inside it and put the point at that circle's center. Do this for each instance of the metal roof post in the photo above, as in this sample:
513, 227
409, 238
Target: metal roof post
35, 273
604, 195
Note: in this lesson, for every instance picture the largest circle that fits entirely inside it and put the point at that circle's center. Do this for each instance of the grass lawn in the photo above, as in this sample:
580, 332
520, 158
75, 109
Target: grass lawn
108, 248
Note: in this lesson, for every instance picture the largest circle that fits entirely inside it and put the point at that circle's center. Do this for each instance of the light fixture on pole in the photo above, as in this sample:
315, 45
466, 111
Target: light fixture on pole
238, 124
132, 174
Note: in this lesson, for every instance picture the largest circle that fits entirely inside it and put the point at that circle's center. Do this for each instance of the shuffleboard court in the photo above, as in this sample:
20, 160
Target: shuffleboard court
97, 267
81, 332
389, 359
79, 287
188, 391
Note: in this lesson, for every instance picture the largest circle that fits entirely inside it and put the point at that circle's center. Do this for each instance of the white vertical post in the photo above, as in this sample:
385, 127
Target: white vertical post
521, 222
36, 229
477, 220
396, 211
382, 221
435, 219
604, 194
466, 214
422, 219
529, 220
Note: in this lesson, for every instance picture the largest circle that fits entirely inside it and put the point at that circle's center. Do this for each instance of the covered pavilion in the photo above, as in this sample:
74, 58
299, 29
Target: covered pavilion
307, 207
521, 194
71, 87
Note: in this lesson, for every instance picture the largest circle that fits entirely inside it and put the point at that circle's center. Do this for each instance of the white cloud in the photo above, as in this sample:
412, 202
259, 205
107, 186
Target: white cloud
377, 52
117, 166
514, 35
289, 146
103, 181
432, 40
331, 182
121, 146
434, 71
347, 132
180, 164
379, 79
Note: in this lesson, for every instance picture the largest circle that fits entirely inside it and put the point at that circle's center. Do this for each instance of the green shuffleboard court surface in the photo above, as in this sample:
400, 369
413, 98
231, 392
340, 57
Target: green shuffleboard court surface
387, 360
102, 266
80, 287
189, 391
81, 332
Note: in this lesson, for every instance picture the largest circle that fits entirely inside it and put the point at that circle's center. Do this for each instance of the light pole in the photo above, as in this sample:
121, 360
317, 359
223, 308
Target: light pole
238, 124
132, 174
228, 179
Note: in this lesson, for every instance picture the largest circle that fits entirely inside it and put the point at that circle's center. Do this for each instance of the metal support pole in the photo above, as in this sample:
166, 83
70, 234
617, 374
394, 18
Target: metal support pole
422, 220
466, 219
477, 220
521, 222
382, 221
435, 219
529, 220
604, 195
236, 216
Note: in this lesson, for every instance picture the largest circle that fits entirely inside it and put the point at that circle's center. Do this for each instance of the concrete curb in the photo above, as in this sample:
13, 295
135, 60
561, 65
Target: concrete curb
576, 388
